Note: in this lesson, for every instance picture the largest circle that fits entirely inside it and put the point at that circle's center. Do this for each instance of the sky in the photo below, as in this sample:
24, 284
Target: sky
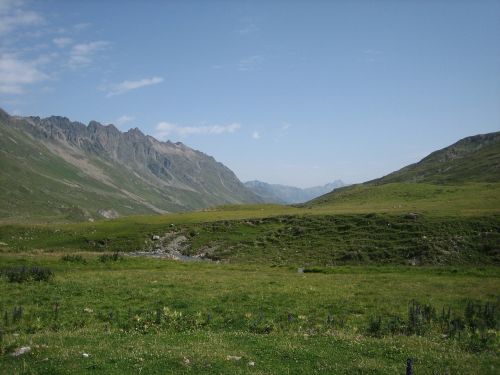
292, 92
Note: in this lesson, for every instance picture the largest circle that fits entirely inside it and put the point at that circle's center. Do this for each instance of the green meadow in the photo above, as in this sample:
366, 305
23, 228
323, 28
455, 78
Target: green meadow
136, 315
355, 284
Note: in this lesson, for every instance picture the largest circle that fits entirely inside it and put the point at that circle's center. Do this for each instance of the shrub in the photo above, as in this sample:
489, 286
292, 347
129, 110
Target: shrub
375, 326
21, 274
420, 317
479, 317
73, 259
110, 257
480, 342
395, 325
315, 270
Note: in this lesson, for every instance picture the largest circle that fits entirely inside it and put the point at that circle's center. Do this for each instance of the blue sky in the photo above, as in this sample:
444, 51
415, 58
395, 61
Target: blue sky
292, 92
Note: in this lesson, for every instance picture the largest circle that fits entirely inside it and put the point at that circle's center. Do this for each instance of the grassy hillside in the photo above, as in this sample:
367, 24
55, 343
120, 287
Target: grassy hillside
461, 178
472, 159
288, 235
465, 199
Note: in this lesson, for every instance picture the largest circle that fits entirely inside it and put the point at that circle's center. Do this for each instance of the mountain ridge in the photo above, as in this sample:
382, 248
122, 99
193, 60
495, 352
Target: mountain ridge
473, 158
152, 176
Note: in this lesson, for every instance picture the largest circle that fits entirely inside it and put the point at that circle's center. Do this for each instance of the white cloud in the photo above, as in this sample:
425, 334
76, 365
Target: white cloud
13, 16
255, 135
250, 63
82, 54
62, 42
122, 120
165, 129
25, 58
15, 74
285, 126
125, 86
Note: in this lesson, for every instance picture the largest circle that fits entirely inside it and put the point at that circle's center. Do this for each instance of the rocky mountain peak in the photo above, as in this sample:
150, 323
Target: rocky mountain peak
131, 168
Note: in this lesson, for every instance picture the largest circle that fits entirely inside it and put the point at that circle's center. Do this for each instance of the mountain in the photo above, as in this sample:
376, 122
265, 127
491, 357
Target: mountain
475, 158
56, 168
273, 193
471, 160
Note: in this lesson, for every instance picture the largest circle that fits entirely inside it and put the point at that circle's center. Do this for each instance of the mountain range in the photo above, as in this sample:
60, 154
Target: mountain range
283, 194
56, 168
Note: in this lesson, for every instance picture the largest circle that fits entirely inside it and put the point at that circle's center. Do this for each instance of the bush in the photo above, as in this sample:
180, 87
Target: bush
21, 274
74, 259
375, 326
315, 270
419, 318
110, 257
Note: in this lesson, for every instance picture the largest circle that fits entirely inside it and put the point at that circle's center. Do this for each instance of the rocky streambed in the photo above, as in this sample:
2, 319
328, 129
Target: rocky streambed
172, 245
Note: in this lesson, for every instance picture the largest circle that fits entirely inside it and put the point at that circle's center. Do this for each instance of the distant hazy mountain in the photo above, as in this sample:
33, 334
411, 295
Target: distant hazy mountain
273, 193
57, 168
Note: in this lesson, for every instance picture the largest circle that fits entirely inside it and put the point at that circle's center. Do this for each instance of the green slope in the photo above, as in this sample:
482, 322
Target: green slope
472, 159
465, 175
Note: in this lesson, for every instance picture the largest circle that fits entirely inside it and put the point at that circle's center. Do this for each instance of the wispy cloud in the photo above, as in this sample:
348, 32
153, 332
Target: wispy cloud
250, 63
372, 55
62, 42
125, 86
249, 28
82, 26
165, 129
32, 50
256, 135
122, 120
15, 74
13, 16
83, 54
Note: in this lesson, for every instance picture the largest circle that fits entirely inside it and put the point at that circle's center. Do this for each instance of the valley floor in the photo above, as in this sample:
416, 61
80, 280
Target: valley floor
116, 315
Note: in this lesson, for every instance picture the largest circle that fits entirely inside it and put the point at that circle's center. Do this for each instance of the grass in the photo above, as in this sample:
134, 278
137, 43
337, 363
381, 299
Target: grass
164, 316
357, 306
307, 239
461, 200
